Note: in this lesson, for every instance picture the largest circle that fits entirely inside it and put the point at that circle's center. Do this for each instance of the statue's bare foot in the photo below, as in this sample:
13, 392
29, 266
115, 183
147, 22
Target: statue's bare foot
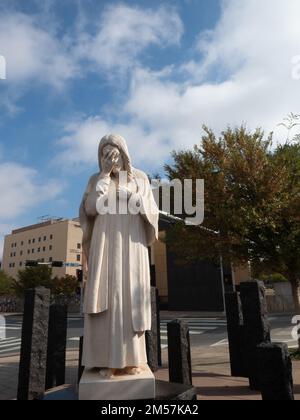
107, 373
133, 370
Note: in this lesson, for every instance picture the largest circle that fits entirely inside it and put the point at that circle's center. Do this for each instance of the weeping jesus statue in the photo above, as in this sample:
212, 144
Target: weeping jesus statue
119, 219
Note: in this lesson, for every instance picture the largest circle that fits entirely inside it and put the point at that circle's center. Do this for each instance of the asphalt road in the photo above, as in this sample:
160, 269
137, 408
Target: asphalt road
203, 332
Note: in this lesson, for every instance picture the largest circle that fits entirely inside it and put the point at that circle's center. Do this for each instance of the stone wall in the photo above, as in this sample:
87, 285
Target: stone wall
11, 304
280, 299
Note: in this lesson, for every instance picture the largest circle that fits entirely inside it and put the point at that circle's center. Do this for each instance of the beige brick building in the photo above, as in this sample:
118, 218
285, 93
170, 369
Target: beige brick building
53, 240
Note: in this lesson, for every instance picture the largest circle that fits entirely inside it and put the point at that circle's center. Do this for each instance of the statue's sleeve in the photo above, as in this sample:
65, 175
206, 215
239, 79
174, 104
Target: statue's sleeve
86, 219
143, 203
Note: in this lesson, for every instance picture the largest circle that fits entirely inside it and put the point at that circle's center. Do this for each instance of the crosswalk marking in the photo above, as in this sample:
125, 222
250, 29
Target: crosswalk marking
10, 350
6, 328
10, 344
220, 343
197, 326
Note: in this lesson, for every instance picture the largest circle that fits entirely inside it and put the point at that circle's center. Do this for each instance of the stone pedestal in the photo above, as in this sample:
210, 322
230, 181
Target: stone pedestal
124, 387
164, 391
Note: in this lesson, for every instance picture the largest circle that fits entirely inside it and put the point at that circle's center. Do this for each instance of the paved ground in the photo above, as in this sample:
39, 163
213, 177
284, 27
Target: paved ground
211, 370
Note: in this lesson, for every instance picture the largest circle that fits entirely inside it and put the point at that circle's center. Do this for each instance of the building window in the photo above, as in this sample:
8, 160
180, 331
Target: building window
12, 245
39, 250
44, 248
40, 239
29, 241
78, 246
43, 260
33, 241
20, 264
28, 252
21, 253
78, 257
32, 251
22, 243
51, 237
50, 259
50, 247
45, 238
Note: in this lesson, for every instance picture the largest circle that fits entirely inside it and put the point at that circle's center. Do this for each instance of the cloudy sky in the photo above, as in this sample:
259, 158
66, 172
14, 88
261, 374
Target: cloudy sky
151, 70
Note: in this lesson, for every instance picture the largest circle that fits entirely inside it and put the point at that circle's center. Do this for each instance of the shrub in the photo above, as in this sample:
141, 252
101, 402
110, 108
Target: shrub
6, 284
41, 275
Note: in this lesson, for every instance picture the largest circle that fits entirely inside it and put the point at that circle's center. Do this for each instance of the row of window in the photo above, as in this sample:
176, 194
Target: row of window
32, 251
32, 241
13, 265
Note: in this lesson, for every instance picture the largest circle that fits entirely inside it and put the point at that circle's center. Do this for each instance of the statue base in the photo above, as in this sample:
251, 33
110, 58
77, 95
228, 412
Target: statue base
124, 387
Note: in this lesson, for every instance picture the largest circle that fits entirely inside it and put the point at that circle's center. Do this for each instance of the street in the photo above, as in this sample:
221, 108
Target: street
211, 332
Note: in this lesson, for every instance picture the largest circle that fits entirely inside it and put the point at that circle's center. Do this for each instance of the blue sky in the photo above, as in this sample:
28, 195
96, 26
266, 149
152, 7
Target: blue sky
151, 70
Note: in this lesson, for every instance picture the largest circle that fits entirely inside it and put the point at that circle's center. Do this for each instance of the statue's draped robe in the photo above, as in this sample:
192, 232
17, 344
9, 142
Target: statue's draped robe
117, 295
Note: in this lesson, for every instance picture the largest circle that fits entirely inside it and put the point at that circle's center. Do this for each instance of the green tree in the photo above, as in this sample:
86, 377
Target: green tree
6, 284
287, 260
251, 200
32, 277
42, 276
64, 285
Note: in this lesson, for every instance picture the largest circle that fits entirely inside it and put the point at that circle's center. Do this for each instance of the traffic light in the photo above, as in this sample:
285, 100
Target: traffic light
58, 264
31, 263
79, 275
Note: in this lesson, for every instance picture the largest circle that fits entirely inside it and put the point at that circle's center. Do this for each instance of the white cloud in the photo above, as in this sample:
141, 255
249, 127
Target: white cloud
82, 138
21, 189
125, 32
241, 73
34, 53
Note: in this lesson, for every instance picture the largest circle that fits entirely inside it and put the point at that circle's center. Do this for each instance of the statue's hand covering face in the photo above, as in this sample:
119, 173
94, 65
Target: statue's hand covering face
117, 294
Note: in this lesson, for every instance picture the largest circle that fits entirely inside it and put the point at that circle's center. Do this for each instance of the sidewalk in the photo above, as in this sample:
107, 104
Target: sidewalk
211, 376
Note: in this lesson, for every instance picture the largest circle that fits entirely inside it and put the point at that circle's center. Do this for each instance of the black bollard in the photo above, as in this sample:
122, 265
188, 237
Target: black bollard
57, 342
179, 351
80, 367
275, 372
256, 326
32, 368
151, 336
235, 331
159, 355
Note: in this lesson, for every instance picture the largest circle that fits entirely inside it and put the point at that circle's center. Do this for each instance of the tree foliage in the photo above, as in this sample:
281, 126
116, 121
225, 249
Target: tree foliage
251, 199
6, 284
41, 275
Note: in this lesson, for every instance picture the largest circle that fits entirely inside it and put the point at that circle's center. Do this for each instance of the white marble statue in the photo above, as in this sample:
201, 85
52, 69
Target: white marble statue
117, 302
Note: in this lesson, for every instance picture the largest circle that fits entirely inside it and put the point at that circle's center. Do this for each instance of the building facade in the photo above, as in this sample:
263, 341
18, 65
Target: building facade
53, 240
